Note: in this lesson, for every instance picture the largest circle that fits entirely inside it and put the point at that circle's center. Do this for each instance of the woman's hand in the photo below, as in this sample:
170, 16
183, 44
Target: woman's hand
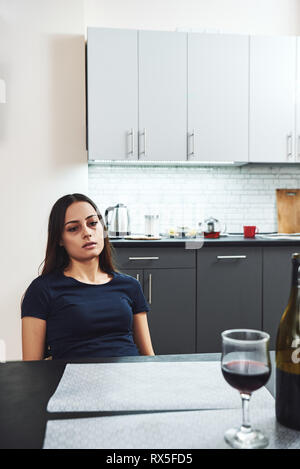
141, 334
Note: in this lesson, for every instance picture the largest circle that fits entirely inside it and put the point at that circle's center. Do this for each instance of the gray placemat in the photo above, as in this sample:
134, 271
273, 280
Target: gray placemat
170, 430
146, 386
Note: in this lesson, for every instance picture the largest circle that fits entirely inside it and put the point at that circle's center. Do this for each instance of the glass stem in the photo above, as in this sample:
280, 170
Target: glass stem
246, 426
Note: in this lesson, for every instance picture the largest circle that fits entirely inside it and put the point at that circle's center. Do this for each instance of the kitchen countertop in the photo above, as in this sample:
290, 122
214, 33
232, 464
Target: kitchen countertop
196, 243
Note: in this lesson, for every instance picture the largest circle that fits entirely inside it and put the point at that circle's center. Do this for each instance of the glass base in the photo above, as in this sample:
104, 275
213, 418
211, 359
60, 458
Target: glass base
245, 439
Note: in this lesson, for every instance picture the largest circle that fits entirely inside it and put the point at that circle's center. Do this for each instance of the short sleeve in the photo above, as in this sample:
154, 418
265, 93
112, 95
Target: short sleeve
140, 303
36, 301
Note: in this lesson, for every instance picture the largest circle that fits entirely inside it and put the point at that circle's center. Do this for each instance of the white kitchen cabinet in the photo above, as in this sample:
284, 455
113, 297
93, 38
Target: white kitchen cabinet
162, 95
137, 95
272, 99
112, 78
218, 97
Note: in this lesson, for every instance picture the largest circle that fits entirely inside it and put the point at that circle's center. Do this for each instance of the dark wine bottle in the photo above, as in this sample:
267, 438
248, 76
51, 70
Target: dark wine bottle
288, 356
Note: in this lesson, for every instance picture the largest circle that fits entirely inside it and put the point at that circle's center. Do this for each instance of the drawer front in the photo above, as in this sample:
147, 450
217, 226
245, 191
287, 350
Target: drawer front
160, 258
230, 256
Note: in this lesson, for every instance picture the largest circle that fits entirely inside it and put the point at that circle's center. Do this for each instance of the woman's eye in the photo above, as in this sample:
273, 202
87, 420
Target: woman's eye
74, 228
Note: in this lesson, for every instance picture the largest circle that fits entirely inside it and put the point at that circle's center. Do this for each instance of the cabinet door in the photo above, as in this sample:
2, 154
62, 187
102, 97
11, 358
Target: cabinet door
136, 273
229, 293
218, 97
277, 276
162, 95
272, 98
112, 78
171, 294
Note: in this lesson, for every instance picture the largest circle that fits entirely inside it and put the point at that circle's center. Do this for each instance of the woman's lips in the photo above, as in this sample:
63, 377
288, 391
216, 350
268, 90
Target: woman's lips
90, 246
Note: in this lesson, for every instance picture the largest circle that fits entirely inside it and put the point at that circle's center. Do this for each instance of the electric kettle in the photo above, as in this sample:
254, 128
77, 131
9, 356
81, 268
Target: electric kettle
212, 228
118, 223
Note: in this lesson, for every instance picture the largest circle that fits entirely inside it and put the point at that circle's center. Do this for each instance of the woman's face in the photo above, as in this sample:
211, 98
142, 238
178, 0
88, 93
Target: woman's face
82, 226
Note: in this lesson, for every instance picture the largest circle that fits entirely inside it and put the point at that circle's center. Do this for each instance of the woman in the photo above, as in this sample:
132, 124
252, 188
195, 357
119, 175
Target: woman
80, 306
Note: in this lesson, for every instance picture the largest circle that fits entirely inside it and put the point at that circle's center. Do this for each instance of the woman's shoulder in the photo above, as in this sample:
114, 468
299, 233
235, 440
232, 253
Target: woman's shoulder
43, 280
37, 298
125, 278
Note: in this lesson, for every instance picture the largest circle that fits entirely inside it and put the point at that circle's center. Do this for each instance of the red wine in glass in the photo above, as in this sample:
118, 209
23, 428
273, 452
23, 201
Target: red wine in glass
246, 367
246, 375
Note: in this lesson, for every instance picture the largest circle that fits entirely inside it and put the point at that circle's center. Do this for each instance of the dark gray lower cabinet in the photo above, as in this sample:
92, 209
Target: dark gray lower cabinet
229, 288
171, 294
229, 293
168, 279
277, 278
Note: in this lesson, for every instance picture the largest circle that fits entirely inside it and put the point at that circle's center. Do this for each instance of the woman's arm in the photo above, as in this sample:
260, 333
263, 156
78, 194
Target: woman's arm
33, 338
141, 334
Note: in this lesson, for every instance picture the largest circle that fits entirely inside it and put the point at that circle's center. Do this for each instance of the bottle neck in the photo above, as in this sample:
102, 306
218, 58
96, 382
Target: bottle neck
296, 274
295, 288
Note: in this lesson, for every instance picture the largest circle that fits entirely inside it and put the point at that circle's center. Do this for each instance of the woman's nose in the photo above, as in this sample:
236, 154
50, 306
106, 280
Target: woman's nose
86, 231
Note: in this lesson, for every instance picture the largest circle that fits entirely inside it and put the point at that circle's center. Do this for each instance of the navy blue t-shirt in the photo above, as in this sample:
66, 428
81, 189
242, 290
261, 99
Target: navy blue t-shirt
85, 320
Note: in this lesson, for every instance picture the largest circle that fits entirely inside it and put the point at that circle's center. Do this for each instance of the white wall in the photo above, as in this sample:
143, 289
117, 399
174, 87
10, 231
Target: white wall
238, 16
42, 138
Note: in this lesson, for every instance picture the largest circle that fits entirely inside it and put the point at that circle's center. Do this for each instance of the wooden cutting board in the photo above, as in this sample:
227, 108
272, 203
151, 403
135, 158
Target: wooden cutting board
288, 210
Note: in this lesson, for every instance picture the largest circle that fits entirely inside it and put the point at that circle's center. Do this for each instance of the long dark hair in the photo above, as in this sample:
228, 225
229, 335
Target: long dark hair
57, 257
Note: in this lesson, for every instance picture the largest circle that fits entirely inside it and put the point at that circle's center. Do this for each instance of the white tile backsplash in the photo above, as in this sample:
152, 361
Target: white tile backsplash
185, 195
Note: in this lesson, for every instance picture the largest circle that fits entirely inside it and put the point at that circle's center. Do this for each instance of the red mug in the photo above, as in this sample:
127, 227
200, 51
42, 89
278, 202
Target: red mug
250, 231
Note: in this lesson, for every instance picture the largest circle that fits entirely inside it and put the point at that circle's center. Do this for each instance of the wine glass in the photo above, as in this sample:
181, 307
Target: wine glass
246, 366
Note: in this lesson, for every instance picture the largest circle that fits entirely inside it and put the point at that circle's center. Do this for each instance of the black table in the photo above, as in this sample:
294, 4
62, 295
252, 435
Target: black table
26, 387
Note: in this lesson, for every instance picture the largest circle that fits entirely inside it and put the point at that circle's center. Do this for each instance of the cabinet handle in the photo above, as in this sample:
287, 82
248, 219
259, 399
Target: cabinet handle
192, 153
150, 289
138, 277
232, 257
144, 134
143, 258
131, 152
289, 145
